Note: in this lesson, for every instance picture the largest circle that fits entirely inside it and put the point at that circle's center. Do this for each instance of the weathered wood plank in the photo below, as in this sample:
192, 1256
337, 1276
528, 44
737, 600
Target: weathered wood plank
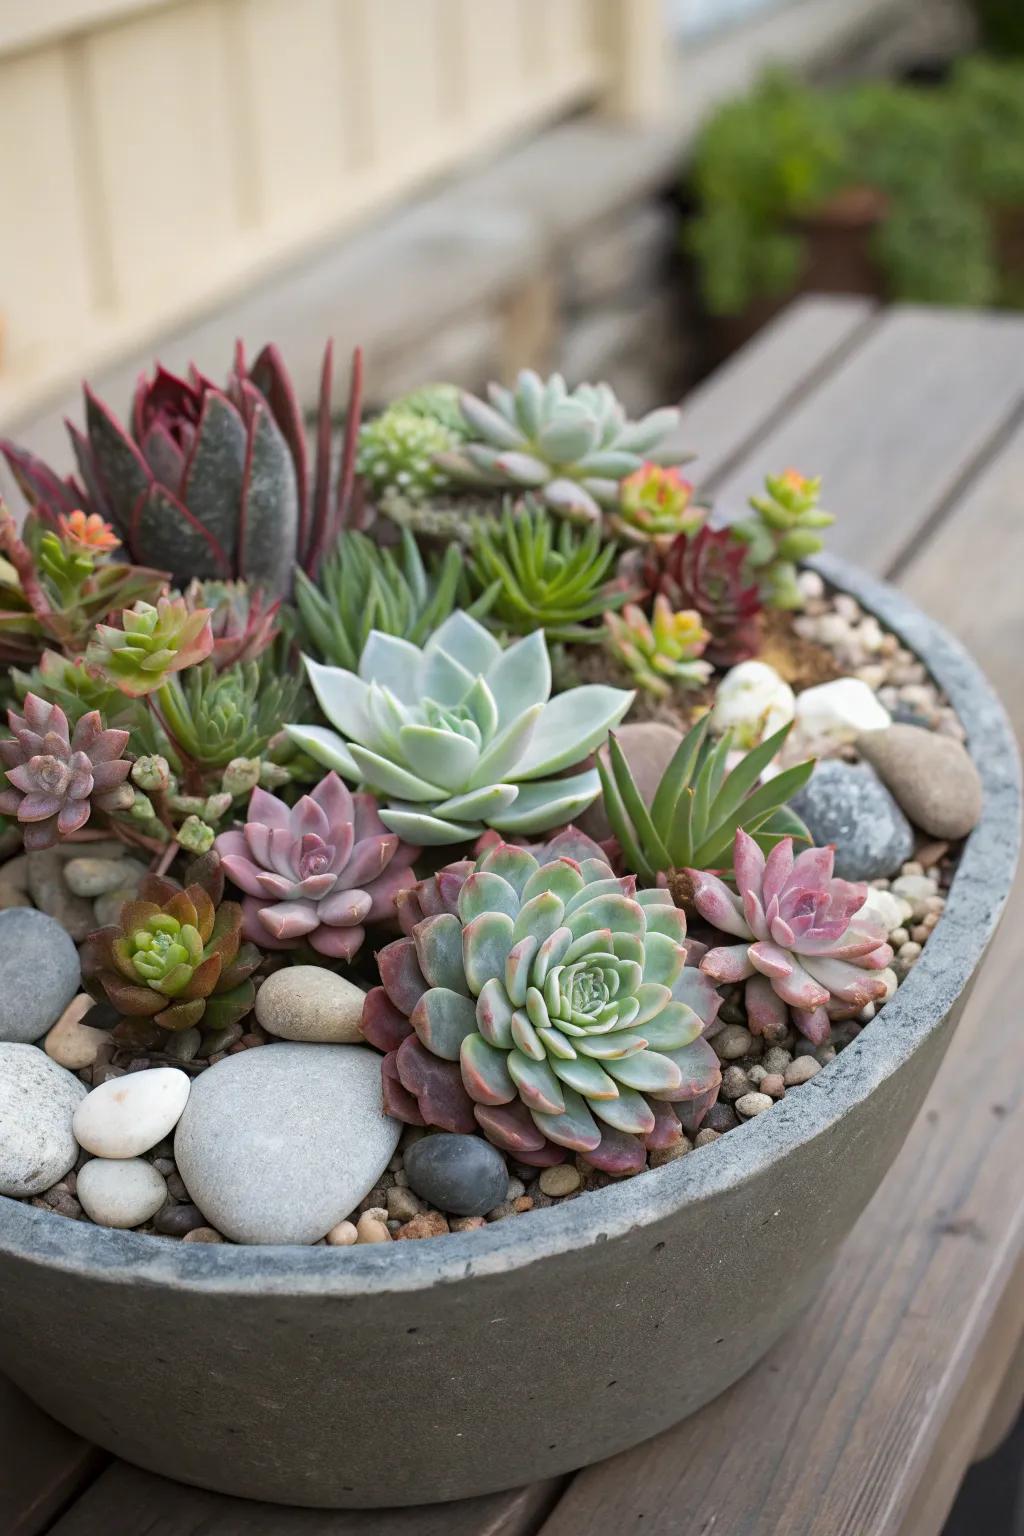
865, 1417
42, 1465
127, 1502
896, 427
726, 415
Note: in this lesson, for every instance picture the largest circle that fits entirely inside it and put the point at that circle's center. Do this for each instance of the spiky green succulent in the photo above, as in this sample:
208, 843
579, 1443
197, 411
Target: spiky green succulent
783, 530
214, 717
572, 448
557, 580
661, 652
461, 734
361, 587
698, 806
399, 449
552, 1009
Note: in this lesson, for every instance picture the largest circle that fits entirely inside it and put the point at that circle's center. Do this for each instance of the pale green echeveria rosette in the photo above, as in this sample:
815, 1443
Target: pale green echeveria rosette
462, 734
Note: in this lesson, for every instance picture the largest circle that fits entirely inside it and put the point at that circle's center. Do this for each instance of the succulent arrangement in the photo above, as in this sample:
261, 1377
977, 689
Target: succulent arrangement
351, 720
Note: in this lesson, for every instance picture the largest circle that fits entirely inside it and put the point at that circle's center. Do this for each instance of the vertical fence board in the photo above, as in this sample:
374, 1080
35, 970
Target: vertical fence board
406, 100
159, 101
45, 289
492, 42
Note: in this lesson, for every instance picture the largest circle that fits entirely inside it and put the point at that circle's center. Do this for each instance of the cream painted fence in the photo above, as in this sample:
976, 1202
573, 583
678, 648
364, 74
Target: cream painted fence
156, 155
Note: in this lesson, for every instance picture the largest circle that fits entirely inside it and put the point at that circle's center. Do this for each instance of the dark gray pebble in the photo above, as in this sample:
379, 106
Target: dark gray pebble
461, 1174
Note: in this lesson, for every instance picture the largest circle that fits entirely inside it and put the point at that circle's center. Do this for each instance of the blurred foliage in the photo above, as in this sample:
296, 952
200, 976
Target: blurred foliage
1001, 23
944, 161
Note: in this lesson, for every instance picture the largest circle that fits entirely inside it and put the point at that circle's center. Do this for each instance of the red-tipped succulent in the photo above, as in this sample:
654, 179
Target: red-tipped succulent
319, 871
175, 959
243, 622
803, 951
553, 1009
705, 571
56, 778
208, 482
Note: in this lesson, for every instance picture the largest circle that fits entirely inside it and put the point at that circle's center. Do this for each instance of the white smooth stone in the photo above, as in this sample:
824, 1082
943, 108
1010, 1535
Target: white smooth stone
128, 1115
120, 1192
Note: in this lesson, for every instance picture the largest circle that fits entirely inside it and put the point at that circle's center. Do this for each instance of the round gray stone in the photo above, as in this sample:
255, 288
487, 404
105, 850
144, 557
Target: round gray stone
461, 1174
37, 1103
279, 1144
39, 973
848, 806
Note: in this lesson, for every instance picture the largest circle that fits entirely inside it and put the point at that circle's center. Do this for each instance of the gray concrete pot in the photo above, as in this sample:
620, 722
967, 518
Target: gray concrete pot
440, 1369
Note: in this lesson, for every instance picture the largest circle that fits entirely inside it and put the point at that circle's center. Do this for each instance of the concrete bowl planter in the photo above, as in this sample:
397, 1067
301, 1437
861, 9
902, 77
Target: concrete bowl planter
489, 1359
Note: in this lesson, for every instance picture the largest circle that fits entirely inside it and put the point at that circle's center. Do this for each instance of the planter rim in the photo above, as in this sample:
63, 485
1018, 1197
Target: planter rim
975, 902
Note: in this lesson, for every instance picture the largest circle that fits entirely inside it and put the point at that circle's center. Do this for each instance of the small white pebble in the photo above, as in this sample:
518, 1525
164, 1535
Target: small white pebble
909, 951
898, 936
372, 1226
752, 1104
912, 867
811, 584
562, 1179
800, 1070
343, 1235
516, 1187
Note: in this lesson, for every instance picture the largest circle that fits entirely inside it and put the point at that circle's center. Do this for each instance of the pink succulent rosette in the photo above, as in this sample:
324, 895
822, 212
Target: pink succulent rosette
319, 871
56, 777
804, 953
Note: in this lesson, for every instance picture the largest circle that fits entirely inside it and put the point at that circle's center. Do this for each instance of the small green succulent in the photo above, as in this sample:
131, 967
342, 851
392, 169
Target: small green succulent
215, 717
697, 807
783, 531
461, 734
399, 449
361, 587
153, 643
661, 652
542, 578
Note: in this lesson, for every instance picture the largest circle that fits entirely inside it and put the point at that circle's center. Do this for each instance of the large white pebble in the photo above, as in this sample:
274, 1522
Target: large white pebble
307, 1002
839, 711
120, 1192
127, 1115
752, 702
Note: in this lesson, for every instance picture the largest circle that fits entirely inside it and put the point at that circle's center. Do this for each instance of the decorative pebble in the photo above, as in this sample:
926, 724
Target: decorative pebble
839, 711
184, 1044
402, 1204
753, 1104
279, 1145
37, 1105
73, 1044
648, 747
735, 1083
461, 1174
427, 1224
886, 908
343, 1234
127, 1115
850, 807
175, 1220
372, 1227
97, 877
931, 776
308, 1002
732, 1042
773, 1084
50, 894
705, 1137
203, 1235
39, 973
753, 702
120, 1192
917, 891
800, 1070
561, 1179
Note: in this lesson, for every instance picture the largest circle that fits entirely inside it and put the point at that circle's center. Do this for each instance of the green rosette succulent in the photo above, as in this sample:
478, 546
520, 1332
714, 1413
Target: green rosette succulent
553, 1009
400, 449
572, 448
154, 642
461, 734
537, 575
784, 530
174, 959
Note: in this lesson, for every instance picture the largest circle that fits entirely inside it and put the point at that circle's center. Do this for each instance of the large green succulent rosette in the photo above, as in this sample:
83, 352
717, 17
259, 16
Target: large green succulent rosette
461, 735
553, 1009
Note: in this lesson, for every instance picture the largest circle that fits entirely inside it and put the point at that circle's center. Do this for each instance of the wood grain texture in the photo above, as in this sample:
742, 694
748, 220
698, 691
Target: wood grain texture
896, 427
42, 1465
127, 1502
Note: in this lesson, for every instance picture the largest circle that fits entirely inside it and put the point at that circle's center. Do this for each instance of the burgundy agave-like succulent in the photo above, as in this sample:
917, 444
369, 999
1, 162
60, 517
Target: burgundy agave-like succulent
705, 571
56, 777
243, 622
803, 952
548, 1004
208, 482
319, 871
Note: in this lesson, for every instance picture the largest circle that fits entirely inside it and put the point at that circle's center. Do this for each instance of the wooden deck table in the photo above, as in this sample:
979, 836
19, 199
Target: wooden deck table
910, 1364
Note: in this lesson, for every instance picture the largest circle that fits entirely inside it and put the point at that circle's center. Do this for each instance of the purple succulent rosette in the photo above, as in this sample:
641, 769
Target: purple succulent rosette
805, 953
319, 871
56, 778
549, 1005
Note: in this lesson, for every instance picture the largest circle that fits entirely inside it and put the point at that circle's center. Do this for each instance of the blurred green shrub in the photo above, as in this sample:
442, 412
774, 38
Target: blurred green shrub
944, 160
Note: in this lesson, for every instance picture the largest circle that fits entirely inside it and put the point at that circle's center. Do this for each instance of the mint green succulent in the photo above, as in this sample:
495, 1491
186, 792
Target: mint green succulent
462, 734
571, 448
